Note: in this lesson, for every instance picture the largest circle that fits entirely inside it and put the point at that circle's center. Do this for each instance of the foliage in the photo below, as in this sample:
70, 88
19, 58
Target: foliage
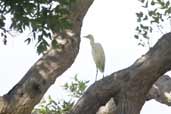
50, 106
76, 89
42, 17
155, 14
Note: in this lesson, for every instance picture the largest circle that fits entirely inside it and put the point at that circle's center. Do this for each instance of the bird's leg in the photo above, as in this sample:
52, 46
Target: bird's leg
103, 75
96, 74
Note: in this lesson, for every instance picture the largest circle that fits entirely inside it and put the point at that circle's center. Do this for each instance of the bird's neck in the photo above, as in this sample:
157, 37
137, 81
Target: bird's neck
92, 43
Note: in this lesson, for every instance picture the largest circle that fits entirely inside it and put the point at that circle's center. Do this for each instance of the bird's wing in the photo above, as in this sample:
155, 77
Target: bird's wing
99, 56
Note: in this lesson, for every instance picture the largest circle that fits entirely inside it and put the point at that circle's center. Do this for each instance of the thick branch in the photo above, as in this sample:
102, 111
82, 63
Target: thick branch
161, 90
28, 92
130, 86
97, 94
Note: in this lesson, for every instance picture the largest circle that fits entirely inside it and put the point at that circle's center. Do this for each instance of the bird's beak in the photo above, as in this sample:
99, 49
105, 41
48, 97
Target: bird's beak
85, 36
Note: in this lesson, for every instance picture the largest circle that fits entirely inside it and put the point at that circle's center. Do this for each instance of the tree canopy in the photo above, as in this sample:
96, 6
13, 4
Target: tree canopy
42, 18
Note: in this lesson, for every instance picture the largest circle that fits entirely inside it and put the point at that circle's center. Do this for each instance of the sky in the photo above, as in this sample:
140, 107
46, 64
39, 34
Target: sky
112, 23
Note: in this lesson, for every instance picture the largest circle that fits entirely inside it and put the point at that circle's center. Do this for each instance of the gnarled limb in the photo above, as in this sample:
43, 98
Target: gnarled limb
160, 91
28, 92
130, 86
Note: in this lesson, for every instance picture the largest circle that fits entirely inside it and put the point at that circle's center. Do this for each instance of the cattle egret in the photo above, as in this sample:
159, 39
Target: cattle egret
98, 55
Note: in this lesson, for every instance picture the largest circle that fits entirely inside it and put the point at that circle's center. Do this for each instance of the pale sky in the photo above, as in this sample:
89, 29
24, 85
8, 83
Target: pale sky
112, 23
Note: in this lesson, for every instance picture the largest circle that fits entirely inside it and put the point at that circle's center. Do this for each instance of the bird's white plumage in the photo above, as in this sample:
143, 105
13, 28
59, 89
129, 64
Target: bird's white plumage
98, 54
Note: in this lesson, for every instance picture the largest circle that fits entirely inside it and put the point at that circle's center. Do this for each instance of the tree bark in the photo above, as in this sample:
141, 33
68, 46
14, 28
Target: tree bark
160, 91
22, 98
128, 87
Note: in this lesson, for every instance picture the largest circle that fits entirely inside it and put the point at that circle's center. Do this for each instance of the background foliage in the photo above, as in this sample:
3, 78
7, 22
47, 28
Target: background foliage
41, 17
76, 89
153, 14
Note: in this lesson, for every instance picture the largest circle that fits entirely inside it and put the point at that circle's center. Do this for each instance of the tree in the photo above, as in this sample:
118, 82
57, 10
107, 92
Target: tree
130, 87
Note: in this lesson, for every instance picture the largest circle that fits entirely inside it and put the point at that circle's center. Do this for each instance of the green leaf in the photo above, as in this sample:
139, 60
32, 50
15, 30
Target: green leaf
144, 27
159, 1
137, 28
145, 34
54, 44
150, 13
151, 29
167, 4
140, 14
155, 20
5, 40
2, 24
28, 40
146, 4
145, 18
168, 11
42, 47
142, 1
136, 36
152, 2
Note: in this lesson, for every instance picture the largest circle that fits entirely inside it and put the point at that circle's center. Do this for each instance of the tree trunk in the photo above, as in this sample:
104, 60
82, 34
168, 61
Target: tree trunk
22, 98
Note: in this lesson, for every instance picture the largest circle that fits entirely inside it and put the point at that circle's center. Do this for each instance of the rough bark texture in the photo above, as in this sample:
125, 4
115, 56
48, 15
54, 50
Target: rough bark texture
160, 91
28, 92
128, 87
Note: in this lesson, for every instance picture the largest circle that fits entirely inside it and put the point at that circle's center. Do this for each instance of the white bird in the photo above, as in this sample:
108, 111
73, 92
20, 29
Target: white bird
98, 55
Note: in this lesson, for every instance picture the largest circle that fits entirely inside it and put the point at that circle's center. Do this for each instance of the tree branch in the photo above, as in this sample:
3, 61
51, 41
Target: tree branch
130, 86
161, 92
28, 92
